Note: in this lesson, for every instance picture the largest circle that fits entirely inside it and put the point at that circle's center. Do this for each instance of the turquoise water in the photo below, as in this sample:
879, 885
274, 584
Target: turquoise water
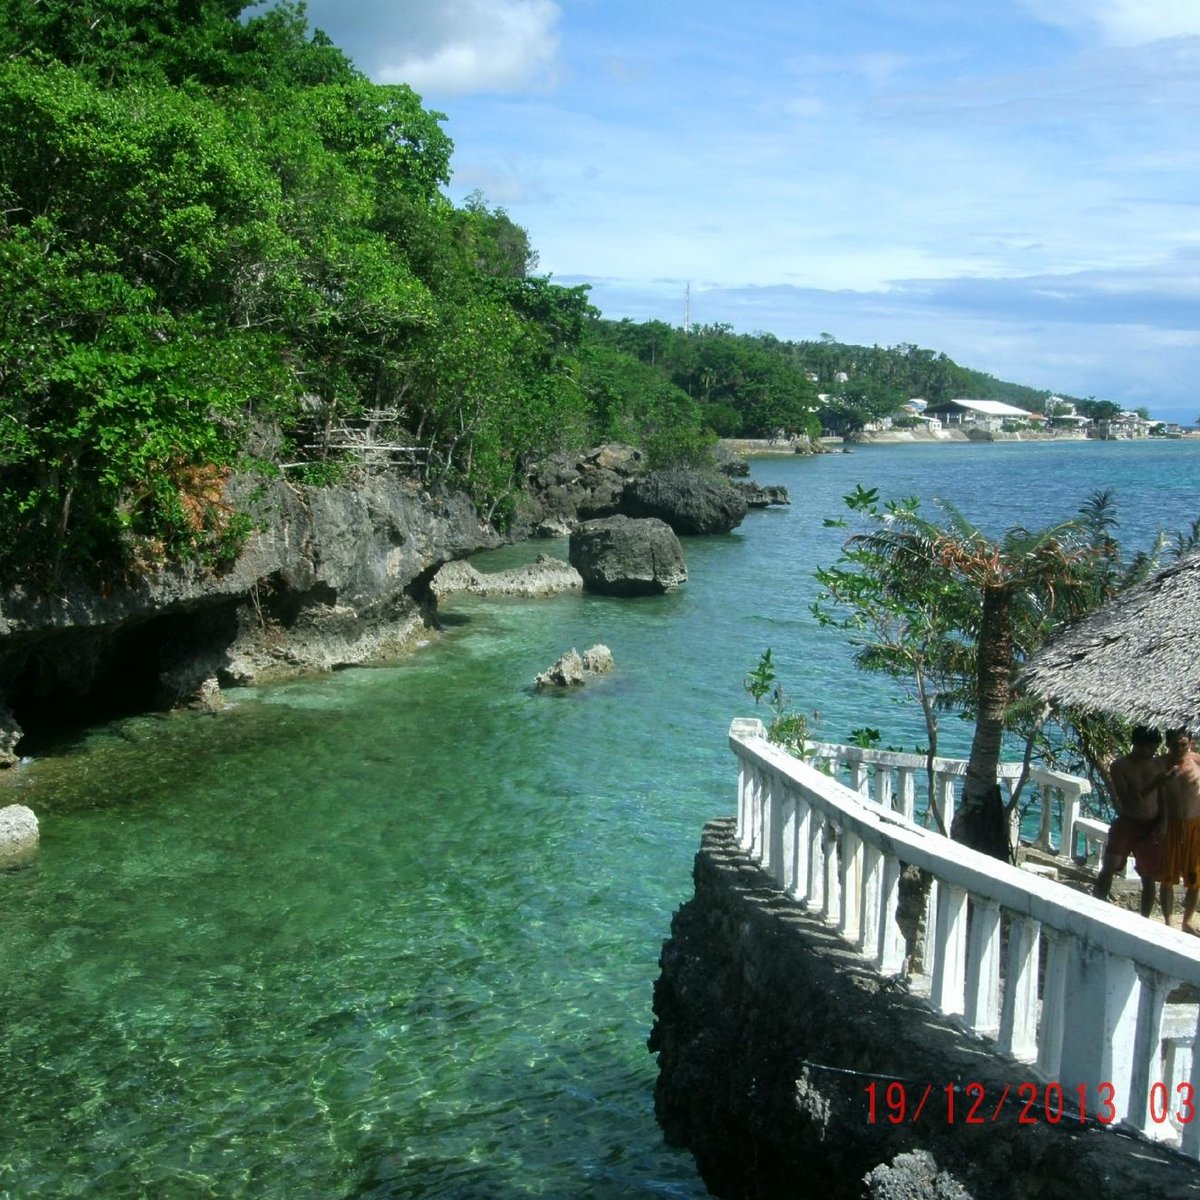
392, 932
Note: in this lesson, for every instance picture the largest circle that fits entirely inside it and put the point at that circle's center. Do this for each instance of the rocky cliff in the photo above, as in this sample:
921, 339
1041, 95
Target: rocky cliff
330, 576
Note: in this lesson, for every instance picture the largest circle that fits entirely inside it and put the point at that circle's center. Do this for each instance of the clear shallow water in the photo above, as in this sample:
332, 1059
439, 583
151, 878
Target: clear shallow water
393, 932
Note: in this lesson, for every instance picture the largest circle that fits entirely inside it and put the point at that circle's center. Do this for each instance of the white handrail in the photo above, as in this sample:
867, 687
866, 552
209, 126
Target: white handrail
910, 771
841, 854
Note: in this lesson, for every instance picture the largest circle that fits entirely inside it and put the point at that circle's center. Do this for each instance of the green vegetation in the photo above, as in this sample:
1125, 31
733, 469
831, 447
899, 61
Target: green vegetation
222, 244
224, 249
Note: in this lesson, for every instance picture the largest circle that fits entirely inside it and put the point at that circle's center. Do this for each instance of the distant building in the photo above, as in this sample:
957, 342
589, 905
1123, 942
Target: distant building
1123, 425
1062, 414
988, 415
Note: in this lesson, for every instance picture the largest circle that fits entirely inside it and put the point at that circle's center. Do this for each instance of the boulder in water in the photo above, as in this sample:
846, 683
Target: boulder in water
624, 556
691, 502
573, 668
18, 834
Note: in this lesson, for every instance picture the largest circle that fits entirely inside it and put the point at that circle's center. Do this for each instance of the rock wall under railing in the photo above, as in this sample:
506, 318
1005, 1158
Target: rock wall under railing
770, 1029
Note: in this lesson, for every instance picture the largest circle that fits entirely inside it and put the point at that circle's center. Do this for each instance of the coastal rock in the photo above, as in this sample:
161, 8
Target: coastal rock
691, 502
18, 834
729, 462
763, 495
546, 576
913, 1176
572, 669
624, 556
10, 734
329, 577
598, 659
566, 489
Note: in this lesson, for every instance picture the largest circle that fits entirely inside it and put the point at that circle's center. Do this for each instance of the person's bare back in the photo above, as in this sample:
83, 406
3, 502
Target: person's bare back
1135, 781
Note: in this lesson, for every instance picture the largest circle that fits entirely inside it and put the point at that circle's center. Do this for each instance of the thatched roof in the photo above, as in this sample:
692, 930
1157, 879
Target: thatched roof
1137, 658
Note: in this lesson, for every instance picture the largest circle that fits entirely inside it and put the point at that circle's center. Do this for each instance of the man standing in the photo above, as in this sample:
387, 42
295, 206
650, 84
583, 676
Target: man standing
1181, 851
1141, 820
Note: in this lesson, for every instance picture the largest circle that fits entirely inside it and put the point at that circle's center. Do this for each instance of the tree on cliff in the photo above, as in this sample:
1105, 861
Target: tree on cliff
220, 240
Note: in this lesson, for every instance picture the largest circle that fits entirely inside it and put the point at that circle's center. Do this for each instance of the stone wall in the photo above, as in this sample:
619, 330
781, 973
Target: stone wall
769, 1030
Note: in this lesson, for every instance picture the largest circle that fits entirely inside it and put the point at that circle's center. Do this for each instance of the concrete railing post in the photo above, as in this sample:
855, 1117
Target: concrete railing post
948, 993
983, 969
1019, 1014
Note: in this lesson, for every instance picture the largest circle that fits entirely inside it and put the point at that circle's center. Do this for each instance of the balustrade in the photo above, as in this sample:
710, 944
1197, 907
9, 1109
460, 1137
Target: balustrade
840, 851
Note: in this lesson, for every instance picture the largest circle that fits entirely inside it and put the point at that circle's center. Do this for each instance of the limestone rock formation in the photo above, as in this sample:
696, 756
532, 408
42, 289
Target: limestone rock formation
329, 577
18, 834
763, 495
573, 668
566, 489
546, 576
624, 556
691, 502
10, 735
598, 660
729, 462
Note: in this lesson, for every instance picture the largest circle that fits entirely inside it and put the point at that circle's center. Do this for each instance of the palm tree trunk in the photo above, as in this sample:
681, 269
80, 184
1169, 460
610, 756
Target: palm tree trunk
980, 821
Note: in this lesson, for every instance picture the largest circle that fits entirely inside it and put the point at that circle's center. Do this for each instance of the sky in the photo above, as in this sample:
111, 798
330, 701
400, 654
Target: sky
1015, 184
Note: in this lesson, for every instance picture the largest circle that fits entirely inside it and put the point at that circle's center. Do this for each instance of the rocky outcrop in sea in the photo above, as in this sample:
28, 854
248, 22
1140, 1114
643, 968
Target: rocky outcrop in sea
624, 556
330, 577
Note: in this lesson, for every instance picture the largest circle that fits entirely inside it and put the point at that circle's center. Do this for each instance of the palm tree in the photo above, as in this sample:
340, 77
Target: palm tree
1021, 584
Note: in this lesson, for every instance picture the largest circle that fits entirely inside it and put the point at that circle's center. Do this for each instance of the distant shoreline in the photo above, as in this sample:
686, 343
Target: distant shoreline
902, 437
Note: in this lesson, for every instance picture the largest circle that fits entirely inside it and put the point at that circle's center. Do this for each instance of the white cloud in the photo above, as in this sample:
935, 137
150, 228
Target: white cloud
448, 47
487, 46
1123, 22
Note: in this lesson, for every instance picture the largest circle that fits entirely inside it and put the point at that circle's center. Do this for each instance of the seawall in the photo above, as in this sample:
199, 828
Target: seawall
770, 1031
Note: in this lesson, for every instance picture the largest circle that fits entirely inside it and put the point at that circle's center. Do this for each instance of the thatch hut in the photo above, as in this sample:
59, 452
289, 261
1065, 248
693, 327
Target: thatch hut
1137, 658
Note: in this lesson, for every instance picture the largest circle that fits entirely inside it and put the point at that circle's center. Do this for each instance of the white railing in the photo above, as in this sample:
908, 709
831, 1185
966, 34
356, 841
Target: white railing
901, 781
841, 854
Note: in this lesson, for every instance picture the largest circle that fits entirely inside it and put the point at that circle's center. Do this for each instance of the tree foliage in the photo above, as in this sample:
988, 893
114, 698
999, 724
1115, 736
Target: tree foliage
954, 613
215, 226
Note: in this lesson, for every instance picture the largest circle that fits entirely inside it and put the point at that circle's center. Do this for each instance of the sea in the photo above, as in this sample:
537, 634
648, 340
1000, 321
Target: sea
393, 931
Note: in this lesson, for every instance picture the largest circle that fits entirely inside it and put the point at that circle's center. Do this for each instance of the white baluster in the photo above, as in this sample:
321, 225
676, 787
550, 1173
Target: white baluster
889, 956
1098, 1040
907, 799
867, 941
1050, 1030
859, 782
949, 952
1019, 1015
1153, 992
850, 867
1045, 841
1070, 814
790, 806
831, 899
816, 860
773, 841
982, 1009
803, 889
883, 786
945, 790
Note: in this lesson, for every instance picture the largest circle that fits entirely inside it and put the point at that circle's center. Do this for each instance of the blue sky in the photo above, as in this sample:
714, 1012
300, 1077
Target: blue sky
1016, 184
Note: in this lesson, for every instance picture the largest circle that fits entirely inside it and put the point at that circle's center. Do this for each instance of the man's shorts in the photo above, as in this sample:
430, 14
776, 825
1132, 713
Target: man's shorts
1128, 836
